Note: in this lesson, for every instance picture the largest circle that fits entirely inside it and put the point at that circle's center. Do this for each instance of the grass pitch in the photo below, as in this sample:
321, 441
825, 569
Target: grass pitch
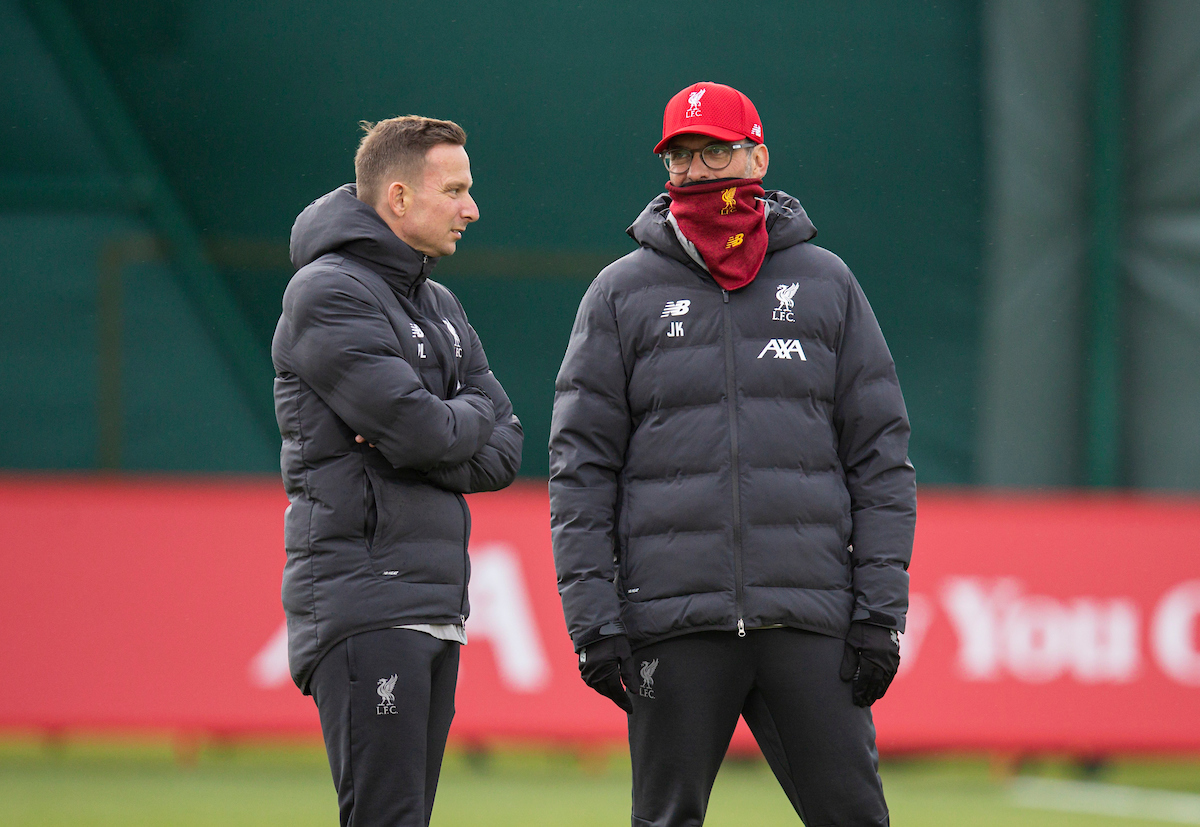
80, 783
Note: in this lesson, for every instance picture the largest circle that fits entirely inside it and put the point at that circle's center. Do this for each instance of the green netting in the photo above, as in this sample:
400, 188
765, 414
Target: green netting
871, 112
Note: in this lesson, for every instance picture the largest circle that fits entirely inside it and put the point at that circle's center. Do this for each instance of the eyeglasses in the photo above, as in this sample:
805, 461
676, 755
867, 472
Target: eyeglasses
714, 156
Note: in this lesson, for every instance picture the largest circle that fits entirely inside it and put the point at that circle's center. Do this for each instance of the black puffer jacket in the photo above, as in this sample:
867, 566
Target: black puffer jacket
377, 536
729, 460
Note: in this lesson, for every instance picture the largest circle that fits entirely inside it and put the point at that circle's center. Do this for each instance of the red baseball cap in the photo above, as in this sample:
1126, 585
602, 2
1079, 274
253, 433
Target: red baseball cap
713, 109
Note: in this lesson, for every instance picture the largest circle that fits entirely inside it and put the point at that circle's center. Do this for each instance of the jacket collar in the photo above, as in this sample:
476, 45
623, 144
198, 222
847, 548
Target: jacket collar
339, 222
402, 267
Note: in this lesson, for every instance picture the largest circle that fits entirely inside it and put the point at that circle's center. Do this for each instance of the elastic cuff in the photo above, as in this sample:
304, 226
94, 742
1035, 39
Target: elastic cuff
875, 618
589, 637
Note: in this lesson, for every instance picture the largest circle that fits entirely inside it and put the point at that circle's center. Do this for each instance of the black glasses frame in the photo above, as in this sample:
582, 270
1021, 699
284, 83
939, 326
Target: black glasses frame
683, 157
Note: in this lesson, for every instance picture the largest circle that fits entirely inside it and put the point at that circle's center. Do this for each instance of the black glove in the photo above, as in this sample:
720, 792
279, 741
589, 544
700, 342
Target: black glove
604, 664
870, 661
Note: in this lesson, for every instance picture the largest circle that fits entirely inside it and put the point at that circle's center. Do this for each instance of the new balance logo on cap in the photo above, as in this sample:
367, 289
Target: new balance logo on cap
679, 308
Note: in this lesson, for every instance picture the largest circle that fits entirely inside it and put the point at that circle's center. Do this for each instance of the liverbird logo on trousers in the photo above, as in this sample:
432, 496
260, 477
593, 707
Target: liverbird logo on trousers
694, 103
784, 295
647, 688
387, 704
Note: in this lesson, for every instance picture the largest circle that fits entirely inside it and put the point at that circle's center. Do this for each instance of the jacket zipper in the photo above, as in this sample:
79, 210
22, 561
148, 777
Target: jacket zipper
452, 365
421, 276
731, 395
462, 603
462, 501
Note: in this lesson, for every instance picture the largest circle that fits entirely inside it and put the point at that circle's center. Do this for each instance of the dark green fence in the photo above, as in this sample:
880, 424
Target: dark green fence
115, 350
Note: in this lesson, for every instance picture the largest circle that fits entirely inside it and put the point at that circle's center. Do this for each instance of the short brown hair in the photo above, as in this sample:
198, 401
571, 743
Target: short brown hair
397, 147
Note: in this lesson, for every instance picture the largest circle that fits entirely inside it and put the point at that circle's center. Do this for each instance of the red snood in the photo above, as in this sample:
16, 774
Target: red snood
728, 225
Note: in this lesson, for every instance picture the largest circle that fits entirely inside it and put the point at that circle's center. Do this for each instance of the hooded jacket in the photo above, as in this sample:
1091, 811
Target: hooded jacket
368, 345
729, 460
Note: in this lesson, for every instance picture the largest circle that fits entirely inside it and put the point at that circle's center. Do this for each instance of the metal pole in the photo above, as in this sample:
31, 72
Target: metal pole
1104, 385
219, 312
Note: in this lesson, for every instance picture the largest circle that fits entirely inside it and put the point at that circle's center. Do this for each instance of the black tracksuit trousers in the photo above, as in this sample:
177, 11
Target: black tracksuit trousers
785, 683
385, 738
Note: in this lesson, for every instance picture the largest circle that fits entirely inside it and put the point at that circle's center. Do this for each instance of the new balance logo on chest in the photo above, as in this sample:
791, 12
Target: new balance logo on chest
676, 308
783, 349
419, 335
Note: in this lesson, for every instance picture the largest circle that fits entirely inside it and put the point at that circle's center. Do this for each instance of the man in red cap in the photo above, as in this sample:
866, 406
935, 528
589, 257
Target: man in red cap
732, 505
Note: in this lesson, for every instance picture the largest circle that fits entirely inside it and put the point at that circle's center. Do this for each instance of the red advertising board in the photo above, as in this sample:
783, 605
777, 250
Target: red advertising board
1055, 622
1061, 622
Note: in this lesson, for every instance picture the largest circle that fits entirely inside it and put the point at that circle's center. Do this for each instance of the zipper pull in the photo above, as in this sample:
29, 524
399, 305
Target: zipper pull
741, 628
462, 620
725, 295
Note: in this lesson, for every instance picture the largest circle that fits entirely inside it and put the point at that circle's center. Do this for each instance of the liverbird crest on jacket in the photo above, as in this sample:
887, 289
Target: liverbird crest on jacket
784, 295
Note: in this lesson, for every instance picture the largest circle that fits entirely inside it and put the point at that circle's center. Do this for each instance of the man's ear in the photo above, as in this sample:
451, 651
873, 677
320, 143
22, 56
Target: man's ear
760, 159
398, 199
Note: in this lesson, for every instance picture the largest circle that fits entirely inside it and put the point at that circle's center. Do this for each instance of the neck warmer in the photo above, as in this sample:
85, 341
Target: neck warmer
728, 225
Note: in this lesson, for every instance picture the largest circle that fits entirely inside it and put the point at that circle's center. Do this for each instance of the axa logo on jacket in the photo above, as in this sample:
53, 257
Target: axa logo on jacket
783, 349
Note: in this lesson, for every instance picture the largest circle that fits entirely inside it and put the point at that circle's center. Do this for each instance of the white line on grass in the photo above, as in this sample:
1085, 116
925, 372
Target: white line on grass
1106, 799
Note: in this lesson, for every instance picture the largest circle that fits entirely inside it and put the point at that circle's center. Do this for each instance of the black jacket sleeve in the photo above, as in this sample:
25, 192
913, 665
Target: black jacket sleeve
343, 346
872, 428
495, 465
589, 434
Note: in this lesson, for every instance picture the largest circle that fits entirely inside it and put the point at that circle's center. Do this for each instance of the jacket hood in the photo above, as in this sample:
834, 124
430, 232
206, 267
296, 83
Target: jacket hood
339, 222
787, 225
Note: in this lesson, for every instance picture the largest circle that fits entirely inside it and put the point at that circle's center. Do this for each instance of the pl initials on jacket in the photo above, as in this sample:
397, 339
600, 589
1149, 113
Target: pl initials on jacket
376, 536
729, 460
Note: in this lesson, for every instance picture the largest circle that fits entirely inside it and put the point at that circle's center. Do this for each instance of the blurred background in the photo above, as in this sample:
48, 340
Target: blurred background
1016, 184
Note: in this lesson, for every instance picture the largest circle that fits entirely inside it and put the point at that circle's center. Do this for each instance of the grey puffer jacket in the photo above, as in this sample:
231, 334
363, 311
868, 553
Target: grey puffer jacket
729, 460
367, 345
